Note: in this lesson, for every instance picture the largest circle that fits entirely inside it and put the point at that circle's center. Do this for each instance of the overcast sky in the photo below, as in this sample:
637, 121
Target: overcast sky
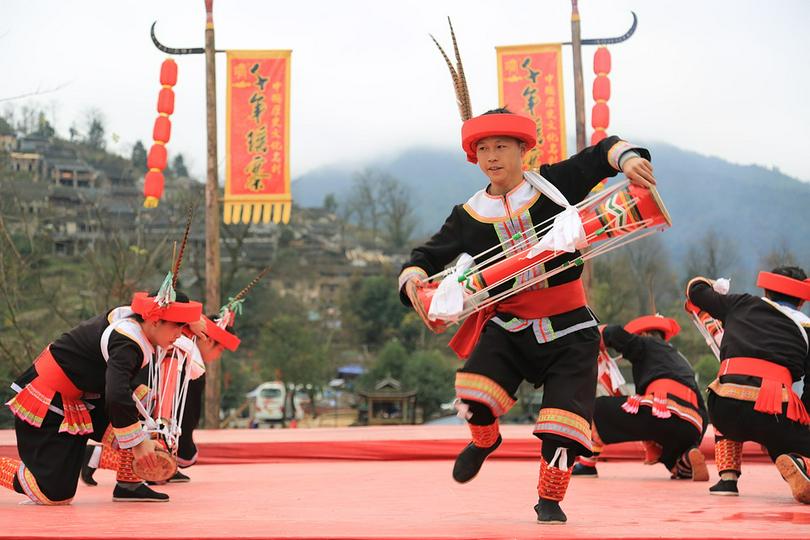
725, 78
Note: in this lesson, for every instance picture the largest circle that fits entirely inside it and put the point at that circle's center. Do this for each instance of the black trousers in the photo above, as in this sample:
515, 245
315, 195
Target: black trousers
565, 368
186, 449
614, 425
738, 421
54, 458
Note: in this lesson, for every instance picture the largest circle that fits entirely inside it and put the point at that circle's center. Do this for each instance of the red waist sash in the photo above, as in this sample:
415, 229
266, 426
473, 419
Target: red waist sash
661, 389
31, 403
525, 305
775, 378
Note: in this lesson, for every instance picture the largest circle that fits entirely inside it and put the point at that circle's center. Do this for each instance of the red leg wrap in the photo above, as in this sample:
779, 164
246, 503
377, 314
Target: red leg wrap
124, 472
484, 436
553, 482
728, 455
8, 470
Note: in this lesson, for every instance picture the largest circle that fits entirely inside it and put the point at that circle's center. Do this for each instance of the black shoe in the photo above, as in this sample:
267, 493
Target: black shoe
142, 493
549, 512
179, 478
727, 488
469, 461
87, 470
585, 471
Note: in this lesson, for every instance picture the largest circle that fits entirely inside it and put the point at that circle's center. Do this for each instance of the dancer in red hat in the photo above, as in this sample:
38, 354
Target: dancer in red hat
667, 409
552, 338
80, 384
765, 349
203, 341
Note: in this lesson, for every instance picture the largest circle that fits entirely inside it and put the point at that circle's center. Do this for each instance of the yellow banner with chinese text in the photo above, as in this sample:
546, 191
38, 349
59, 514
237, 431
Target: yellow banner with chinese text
530, 82
257, 134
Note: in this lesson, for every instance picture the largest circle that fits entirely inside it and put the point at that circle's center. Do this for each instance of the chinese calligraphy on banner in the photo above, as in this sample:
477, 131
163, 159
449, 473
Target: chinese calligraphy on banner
530, 82
257, 167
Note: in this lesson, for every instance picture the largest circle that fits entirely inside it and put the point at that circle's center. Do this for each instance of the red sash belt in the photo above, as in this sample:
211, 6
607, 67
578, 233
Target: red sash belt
774, 379
661, 389
31, 403
534, 304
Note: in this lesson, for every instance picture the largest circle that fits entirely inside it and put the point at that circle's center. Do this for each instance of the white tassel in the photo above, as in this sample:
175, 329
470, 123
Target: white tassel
561, 458
448, 301
566, 234
722, 285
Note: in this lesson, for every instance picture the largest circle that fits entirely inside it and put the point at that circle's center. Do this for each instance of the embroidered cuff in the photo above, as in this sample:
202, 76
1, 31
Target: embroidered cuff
409, 273
130, 436
696, 280
621, 152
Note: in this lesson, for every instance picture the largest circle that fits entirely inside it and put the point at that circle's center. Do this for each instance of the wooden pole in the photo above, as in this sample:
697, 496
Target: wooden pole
579, 104
212, 294
579, 91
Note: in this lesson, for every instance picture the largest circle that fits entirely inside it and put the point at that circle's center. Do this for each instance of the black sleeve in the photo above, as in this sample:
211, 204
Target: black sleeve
700, 293
442, 248
576, 176
123, 365
630, 345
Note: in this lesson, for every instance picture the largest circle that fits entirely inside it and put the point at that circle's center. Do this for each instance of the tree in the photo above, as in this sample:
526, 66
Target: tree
5, 127
372, 310
431, 374
398, 212
95, 129
330, 203
781, 255
649, 265
44, 128
713, 256
179, 166
139, 156
364, 202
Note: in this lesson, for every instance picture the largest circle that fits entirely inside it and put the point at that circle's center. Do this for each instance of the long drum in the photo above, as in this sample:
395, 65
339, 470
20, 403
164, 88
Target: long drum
619, 213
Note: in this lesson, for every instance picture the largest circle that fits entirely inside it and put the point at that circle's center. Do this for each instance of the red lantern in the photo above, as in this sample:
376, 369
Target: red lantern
597, 136
162, 130
165, 101
601, 88
168, 72
157, 158
601, 61
600, 117
152, 188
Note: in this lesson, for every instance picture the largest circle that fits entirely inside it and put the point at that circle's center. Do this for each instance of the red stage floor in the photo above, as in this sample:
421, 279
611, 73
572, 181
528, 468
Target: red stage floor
395, 483
417, 499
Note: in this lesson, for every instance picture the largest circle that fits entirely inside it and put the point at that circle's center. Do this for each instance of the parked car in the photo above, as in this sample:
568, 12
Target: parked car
267, 403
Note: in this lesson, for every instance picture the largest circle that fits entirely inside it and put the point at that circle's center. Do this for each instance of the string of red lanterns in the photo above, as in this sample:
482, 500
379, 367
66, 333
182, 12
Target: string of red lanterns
157, 159
600, 115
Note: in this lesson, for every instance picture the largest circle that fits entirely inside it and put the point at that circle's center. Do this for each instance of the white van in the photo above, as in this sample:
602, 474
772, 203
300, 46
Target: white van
267, 403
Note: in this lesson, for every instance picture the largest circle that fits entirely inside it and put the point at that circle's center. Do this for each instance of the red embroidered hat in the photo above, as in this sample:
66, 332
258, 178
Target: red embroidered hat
221, 335
151, 309
785, 285
669, 327
518, 126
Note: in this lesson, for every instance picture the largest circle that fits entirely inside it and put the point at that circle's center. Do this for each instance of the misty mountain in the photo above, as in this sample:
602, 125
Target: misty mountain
754, 208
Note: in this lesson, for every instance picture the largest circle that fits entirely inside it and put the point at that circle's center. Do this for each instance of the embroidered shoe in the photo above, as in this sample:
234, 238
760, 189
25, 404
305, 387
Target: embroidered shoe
793, 469
584, 471
87, 470
141, 493
727, 488
469, 461
549, 512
